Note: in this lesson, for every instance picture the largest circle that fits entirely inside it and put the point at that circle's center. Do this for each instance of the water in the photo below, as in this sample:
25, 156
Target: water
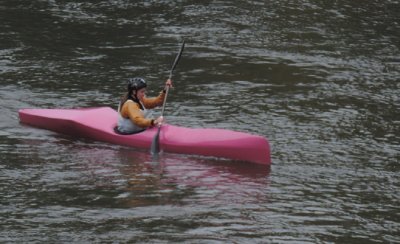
319, 79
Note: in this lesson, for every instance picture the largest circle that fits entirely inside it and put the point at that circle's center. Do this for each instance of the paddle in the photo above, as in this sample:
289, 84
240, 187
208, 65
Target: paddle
155, 144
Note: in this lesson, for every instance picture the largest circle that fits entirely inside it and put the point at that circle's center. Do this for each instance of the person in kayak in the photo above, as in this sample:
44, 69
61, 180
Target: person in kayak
133, 108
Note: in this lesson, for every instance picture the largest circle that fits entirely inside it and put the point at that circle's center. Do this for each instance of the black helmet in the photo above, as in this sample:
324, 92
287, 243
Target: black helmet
136, 83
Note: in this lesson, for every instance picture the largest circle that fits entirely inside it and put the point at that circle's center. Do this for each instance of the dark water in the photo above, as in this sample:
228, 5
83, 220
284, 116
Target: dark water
320, 79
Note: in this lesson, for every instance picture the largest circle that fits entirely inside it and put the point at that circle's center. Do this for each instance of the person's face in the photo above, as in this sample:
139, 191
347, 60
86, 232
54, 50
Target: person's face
141, 93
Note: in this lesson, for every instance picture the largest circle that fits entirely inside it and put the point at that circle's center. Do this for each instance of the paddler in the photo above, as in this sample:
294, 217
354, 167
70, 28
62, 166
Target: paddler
133, 108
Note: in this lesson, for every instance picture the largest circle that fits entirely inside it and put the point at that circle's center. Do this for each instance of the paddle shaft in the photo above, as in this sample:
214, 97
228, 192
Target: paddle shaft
155, 147
177, 58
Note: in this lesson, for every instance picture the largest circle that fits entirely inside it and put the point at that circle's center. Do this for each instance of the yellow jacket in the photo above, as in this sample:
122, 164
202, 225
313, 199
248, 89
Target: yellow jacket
133, 111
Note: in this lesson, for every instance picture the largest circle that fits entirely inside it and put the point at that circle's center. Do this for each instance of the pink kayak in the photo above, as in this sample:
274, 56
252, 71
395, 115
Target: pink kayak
98, 124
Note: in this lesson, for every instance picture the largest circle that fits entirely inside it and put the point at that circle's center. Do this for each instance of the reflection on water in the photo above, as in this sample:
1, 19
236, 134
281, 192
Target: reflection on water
172, 179
106, 184
319, 79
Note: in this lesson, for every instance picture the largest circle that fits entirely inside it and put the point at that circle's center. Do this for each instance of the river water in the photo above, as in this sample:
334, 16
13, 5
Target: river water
319, 79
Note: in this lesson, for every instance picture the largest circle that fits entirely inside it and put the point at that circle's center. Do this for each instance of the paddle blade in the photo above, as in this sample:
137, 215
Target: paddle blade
155, 144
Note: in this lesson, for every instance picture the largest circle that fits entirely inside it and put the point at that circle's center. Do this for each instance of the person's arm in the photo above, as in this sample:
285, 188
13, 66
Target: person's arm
136, 115
153, 102
157, 101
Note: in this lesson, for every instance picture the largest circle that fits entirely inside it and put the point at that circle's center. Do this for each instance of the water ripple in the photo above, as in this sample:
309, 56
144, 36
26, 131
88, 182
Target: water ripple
318, 79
